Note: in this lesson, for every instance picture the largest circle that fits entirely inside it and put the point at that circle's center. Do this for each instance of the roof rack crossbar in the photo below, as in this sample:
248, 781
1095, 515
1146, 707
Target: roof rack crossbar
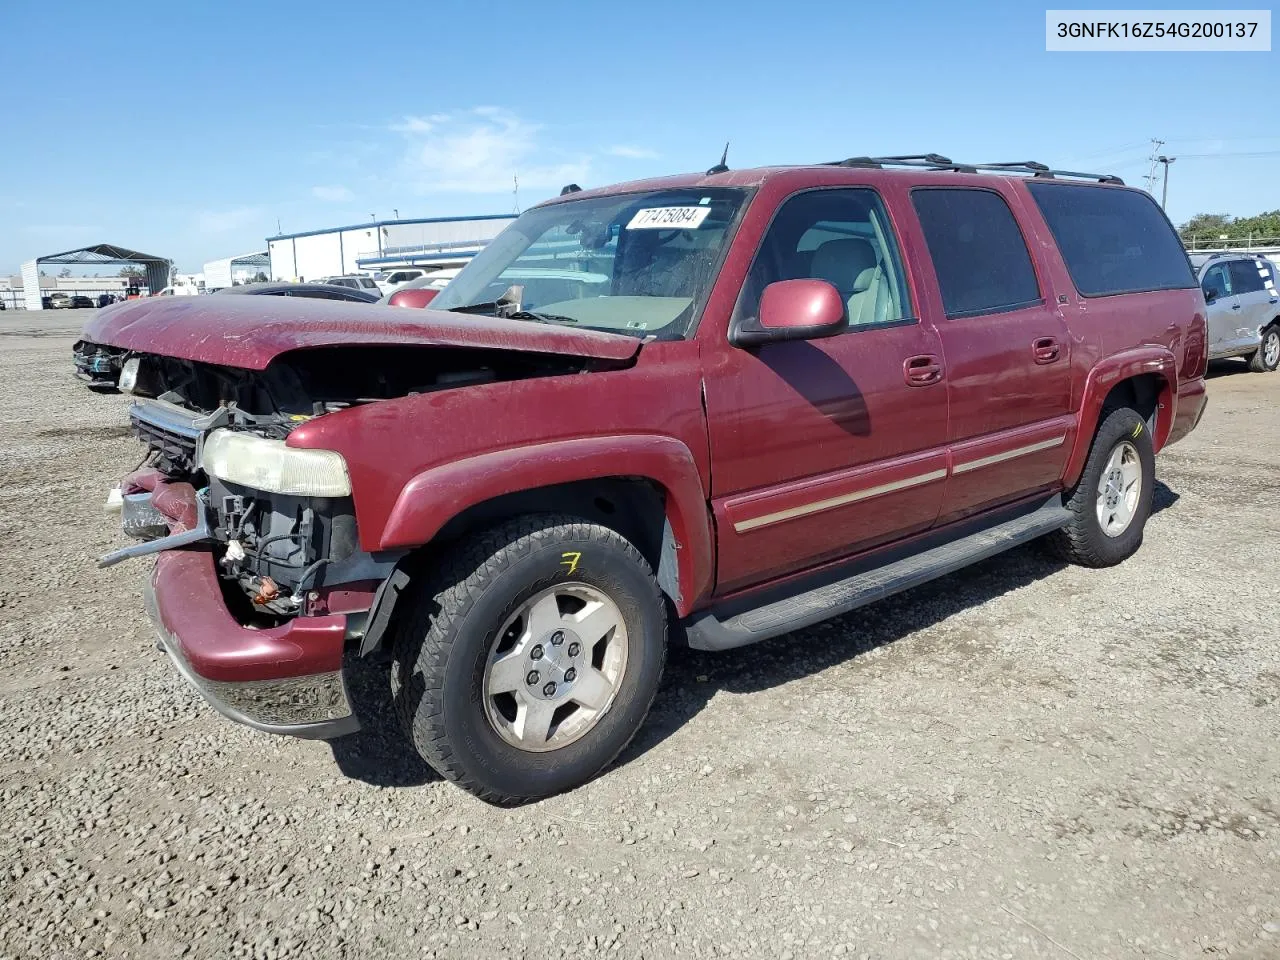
935, 161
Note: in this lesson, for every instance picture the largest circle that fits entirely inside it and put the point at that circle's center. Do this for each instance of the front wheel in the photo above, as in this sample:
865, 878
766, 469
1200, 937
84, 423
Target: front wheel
1267, 357
1111, 502
531, 659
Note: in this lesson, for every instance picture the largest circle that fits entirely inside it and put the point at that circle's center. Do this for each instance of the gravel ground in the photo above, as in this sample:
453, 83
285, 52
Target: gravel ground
1022, 760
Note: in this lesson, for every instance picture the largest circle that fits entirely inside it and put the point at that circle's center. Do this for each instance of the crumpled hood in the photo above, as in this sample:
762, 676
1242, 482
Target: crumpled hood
250, 332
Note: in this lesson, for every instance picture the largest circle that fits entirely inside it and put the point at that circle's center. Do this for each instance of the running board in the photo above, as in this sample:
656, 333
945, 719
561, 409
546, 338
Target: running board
706, 632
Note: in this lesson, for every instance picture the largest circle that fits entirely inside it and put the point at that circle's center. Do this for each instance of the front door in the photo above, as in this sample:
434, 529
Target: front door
1222, 310
1007, 348
824, 448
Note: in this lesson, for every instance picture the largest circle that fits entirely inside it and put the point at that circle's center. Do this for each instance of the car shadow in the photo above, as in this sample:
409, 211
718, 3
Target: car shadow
381, 755
693, 677
378, 753
1162, 497
1226, 367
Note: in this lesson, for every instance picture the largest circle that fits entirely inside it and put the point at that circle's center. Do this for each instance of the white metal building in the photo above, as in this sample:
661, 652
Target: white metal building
381, 244
230, 271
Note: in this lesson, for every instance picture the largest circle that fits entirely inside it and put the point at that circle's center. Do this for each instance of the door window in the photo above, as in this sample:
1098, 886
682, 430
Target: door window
1216, 283
978, 252
842, 237
1245, 276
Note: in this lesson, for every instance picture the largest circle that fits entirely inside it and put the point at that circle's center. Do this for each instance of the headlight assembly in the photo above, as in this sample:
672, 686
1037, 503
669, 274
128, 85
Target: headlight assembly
271, 466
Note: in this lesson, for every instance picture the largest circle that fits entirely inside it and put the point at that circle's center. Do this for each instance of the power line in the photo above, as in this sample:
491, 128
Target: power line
1226, 154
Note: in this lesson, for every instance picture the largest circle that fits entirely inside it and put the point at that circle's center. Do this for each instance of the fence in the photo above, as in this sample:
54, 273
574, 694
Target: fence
1246, 244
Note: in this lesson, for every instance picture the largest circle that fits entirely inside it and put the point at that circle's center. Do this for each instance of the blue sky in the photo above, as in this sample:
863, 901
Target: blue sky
192, 132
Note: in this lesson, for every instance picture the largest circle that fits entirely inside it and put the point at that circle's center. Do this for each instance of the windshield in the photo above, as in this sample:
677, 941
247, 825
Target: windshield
636, 263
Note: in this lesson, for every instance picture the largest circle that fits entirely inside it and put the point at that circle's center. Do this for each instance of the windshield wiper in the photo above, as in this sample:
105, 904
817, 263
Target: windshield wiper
541, 317
496, 308
476, 307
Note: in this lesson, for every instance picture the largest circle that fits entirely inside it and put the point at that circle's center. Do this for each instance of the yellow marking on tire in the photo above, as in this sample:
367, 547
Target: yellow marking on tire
1137, 430
570, 559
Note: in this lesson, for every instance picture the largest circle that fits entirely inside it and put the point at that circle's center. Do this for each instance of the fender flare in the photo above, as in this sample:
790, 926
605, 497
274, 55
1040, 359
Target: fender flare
436, 495
1099, 383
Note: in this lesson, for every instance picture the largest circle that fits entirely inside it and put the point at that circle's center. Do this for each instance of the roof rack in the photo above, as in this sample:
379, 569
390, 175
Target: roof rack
936, 161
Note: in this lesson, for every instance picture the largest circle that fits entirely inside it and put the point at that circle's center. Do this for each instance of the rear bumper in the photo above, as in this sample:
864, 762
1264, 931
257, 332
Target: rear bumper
1192, 400
286, 679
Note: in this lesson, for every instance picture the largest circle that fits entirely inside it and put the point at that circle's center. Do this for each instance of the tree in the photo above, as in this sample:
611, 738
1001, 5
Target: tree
1213, 226
134, 271
64, 272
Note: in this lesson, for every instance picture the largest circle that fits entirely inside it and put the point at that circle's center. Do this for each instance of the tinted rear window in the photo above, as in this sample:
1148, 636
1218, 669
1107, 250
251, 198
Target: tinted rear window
1113, 241
977, 249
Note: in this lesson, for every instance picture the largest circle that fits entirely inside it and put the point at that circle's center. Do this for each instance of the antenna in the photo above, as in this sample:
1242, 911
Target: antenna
515, 192
722, 166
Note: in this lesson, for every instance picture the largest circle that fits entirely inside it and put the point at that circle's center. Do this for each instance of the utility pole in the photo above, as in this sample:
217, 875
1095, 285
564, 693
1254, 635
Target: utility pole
1164, 190
1151, 171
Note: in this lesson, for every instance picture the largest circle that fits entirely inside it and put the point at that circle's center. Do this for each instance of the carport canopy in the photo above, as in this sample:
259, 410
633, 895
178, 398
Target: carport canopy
157, 269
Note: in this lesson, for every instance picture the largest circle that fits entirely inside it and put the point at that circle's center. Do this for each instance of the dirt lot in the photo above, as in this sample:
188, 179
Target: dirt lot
1023, 760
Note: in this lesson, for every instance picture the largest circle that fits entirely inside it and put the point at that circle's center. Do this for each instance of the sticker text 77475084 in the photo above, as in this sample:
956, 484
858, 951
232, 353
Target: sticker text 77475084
669, 218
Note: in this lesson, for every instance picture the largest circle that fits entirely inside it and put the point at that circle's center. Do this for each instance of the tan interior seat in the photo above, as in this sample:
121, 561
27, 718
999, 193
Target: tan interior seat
851, 266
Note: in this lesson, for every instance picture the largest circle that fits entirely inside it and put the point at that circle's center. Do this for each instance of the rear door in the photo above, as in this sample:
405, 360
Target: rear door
1006, 346
1223, 308
1249, 280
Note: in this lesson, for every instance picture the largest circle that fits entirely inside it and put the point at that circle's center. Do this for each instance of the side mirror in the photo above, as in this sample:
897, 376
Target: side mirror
794, 310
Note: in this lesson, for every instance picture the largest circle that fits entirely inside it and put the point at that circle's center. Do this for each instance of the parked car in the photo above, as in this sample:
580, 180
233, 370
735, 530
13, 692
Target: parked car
56, 301
416, 293
80, 302
541, 283
355, 282
1242, 291
98, 365
315, 291
802, 389
392, 281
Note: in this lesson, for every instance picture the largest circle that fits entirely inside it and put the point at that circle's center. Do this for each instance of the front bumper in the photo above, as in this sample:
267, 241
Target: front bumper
286, 679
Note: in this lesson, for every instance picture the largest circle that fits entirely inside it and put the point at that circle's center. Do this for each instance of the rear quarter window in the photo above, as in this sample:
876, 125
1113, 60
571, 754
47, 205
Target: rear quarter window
1113, 240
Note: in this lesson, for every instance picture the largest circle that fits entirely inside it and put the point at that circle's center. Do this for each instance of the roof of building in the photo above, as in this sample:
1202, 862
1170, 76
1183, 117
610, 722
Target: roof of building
390, 223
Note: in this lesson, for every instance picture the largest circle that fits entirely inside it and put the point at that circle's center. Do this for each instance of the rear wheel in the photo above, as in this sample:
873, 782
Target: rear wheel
1267, 357
532, 658
1112, 500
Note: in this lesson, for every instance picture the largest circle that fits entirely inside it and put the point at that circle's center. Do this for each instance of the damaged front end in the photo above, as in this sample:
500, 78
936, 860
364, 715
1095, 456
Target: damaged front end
260, 578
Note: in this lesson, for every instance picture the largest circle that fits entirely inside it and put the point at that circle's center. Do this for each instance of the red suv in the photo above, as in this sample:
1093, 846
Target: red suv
707, 409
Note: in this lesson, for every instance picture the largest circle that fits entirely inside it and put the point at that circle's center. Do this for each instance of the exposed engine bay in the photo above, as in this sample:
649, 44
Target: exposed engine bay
276, 547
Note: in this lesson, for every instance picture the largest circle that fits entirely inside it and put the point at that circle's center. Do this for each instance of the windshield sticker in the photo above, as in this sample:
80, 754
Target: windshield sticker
669, 218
